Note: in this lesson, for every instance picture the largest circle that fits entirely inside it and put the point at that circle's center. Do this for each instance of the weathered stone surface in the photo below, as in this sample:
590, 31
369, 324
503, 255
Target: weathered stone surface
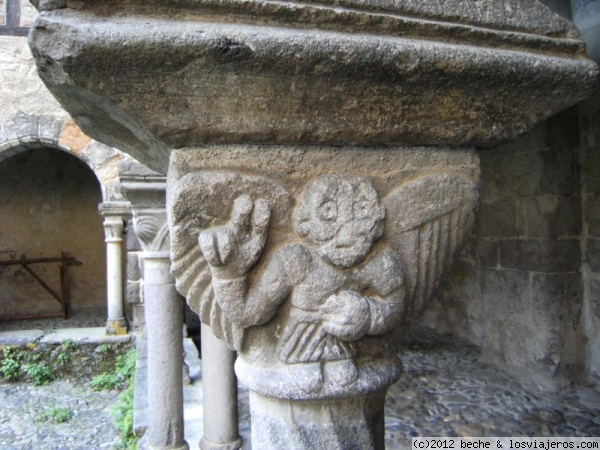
557, 306
459, 299
132, 291
306, 259
489, 252
496, 219
563, 130
551, 217
505, 297
132, 269
22, 90
540, 255
592, 254
592, 214
132, 243
335, 76
73, 138
50, 127
594, 297
591, 165
25, 124
520, 171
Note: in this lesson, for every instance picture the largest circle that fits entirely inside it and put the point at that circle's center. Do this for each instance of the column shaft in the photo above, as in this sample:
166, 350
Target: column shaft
164, 321
113, 227
221, 430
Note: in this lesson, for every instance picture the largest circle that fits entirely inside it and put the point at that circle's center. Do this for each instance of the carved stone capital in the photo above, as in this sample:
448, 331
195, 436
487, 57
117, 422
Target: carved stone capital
152, 230
113, 229
311, 273
146, 192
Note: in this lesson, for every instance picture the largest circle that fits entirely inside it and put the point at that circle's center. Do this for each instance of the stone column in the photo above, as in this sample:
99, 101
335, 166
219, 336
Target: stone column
221, 428
163, 308
310, 276
114, 213
164, 320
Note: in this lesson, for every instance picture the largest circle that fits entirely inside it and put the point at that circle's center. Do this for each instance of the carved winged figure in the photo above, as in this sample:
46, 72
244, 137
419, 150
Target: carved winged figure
352, 267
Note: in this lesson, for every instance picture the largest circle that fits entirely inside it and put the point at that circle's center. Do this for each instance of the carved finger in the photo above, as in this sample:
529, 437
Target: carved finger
225, 244
208, 247
240, 214
260, 217
253, 249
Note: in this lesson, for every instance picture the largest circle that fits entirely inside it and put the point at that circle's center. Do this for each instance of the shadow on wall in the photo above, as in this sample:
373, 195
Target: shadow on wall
48, 205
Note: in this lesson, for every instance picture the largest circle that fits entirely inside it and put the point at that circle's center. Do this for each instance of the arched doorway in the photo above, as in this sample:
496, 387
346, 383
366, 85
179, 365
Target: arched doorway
48, 206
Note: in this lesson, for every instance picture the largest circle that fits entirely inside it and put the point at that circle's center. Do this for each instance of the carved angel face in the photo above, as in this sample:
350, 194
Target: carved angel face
341, 214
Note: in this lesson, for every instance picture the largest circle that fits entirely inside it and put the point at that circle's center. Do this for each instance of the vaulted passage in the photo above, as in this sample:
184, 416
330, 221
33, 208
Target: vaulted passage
48, 206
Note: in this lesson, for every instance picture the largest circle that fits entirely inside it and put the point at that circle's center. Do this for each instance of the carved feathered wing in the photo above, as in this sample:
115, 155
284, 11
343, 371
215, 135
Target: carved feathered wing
202, 200
428, 219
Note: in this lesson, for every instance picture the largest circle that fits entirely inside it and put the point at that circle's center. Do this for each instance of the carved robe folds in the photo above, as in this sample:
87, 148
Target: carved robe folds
309, 261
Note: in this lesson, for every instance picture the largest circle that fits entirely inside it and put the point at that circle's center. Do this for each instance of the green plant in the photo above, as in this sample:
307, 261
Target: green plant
119, 378
10, 369
65, 351
69, 345
123, 415
102, 348
63, 358
106, 381
40, 373
56, 415
125, 364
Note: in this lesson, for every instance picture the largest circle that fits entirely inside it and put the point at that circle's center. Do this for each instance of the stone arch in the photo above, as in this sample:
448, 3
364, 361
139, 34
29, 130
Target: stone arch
32, 132
29, 131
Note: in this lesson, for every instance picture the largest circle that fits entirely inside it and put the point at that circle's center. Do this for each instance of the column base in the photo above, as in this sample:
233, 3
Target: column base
207, 445
116, 326
346, 424
185, 446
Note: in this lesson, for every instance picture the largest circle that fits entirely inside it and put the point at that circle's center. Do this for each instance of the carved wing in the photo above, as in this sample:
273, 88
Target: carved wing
428, 220
202, 200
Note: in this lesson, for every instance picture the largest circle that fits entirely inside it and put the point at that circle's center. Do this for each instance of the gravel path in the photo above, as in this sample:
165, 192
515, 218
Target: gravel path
445, 391
24, 407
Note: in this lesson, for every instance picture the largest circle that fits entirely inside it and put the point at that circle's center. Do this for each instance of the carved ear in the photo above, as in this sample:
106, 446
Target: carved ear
428, 220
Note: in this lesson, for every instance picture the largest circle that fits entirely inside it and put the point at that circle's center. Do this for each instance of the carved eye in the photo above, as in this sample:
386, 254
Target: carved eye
328, 211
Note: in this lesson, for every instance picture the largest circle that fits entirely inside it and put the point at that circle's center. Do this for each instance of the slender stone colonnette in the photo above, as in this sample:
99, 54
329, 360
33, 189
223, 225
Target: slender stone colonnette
163, 308
114, 214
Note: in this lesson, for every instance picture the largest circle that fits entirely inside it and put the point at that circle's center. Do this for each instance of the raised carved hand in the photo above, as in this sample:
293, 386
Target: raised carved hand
231, 250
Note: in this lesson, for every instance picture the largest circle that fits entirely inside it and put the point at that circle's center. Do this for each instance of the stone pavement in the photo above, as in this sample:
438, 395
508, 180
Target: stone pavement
26, 414
445, 391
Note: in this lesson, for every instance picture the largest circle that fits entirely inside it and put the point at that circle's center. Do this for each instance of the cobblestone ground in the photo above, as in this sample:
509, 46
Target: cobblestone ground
24, 408
447, 391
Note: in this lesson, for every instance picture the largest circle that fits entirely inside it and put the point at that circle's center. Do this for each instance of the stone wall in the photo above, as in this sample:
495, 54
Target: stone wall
134, 283
524, 287
22, 89
590, 157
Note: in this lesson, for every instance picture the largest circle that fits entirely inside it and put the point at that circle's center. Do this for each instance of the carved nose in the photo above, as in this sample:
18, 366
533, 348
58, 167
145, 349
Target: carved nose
346, 237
